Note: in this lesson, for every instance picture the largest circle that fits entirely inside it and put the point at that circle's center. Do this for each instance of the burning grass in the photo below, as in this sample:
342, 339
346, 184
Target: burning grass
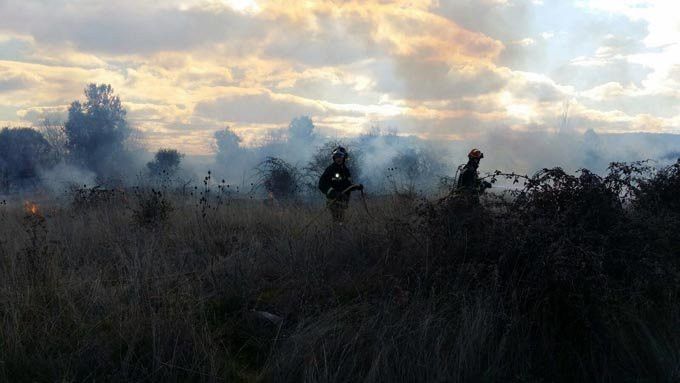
576, 278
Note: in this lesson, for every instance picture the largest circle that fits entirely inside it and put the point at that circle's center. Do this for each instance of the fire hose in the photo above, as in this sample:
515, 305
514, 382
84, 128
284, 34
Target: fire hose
363, 200
318, 215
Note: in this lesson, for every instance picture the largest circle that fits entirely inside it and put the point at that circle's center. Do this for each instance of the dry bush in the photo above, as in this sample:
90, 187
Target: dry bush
85, 198
278, 178
152, 208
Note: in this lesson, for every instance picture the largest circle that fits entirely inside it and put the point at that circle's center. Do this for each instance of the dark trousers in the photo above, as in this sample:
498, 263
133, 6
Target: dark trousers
338, 208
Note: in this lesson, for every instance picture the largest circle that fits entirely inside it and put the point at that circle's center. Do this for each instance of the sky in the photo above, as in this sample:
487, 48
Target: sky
440, 70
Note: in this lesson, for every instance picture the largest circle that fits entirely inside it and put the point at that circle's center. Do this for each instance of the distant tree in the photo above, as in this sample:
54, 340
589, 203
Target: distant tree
592, 150
233, 161
97, 130
55, 133
375, 133
166, 162
295, 143
23, 152
413, 169
227, 144
301, 128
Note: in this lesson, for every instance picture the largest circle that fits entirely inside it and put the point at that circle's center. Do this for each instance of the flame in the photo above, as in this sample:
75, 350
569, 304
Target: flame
31, 208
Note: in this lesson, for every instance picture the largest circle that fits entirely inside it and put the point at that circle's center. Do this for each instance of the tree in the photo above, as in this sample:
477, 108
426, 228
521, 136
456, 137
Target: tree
23, 152
301, 129
166, 162
97, 130
227, 144
233, 161
412, 169
55, 134
592, 151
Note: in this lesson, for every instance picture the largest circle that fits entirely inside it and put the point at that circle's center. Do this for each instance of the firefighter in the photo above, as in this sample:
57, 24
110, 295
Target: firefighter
469, 184
336, 184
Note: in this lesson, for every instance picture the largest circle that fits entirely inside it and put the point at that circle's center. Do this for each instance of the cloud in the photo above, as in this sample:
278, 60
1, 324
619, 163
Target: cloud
506, 21
329, 41
422, 80
51, 85
11, 81
439, 69
14, 46
331, 85
249, 108
538, 88
126, 27
36, 115
559, 30
584, 73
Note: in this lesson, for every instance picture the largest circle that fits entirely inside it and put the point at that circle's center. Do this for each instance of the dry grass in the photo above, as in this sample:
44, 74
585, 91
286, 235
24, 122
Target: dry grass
90, 294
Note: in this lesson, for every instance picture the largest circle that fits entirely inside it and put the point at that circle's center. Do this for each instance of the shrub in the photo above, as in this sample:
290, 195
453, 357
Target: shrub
152, 207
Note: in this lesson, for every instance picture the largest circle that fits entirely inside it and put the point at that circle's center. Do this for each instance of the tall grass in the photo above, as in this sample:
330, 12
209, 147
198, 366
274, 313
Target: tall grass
571, 280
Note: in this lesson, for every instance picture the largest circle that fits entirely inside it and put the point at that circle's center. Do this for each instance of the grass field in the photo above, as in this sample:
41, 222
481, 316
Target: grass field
559, 284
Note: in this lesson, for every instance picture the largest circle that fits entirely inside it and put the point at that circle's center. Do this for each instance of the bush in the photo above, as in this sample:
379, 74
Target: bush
660, 194
278, 178
152, 209
166, 161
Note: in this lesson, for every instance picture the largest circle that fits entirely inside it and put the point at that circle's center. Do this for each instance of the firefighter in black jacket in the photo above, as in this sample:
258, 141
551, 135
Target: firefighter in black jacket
469, 185
336, 184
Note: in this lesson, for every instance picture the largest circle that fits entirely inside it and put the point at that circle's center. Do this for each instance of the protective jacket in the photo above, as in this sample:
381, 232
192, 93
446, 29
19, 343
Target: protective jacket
334, 180
468, 179
469, 182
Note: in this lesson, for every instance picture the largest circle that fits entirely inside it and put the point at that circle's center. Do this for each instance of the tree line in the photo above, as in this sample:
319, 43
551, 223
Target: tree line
98, 139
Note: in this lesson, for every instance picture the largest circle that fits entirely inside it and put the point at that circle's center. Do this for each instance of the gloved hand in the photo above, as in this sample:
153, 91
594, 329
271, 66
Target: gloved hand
486, 185
358, 187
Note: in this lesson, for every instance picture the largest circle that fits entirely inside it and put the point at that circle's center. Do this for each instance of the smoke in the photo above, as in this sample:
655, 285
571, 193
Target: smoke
384, 161
64, 177
381, 160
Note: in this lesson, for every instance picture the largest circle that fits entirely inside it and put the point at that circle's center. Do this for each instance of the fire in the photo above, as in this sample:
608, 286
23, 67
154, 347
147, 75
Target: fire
31, 208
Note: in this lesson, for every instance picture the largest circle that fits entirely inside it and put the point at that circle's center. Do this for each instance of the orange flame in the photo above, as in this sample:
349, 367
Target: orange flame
31, 208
